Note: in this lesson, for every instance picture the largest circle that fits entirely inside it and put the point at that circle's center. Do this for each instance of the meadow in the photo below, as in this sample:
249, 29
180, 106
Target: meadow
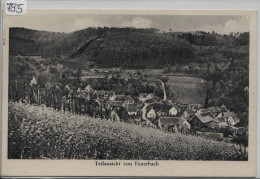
38, 132
186, 89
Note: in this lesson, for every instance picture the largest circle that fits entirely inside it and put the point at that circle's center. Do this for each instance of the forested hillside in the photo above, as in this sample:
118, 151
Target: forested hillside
128, 47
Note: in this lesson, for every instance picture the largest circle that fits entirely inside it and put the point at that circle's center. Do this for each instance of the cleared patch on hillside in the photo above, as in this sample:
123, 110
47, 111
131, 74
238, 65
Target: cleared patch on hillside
186, 89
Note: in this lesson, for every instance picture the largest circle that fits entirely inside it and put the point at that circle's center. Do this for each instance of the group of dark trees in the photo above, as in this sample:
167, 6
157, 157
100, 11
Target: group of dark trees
126, 47
230, 87
212, 39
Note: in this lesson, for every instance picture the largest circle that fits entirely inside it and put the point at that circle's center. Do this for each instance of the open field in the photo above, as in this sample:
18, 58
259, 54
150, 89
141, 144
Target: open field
186, 89
40, 132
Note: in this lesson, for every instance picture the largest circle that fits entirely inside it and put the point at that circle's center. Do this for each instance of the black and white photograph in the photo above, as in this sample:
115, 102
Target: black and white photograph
129, 87
105, 93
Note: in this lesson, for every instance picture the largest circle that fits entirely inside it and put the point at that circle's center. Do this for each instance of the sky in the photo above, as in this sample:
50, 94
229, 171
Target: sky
222, 24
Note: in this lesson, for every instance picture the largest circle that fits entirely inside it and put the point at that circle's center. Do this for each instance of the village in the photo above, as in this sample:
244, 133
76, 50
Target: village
148, 107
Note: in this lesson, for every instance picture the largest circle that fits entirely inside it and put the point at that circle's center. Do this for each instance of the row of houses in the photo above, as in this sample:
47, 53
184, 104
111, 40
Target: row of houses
193, 116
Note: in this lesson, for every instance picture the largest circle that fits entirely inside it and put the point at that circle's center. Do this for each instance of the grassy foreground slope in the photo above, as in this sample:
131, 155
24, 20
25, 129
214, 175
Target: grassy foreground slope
40, 132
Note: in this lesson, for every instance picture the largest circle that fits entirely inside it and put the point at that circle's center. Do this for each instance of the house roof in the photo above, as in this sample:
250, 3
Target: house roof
171, 120
213, 109
176, 107
116, 103
131, 107
203, 111
120, 98
229, 113
232, 114
212, 124
143, 95
88, 87
190, 111
204, 119
221, 119
210, 114
67, 87
195, 106
161, 107
183, 106
222, 124
128, 97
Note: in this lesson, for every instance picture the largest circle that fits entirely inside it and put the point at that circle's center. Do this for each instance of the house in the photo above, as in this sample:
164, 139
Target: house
185, 69
33, 81
129, 99
214, 110
162, 109
212, 124
110, 76
174, 110
188, 114
145, 97
120, 100
222, 125
132, 109
151, 114
182, 107
115, 97
116, 103
196, 69
246, 89
174, 121
88, 89
230, 117
195, 107
67, 87
223, 108
205, 112
199, 121
116, 100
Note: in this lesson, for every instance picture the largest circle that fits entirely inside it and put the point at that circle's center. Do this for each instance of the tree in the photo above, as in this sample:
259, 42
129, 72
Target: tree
186, 69
42, 80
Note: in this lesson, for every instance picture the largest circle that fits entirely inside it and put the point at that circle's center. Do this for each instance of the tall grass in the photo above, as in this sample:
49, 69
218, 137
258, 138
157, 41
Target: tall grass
39, 132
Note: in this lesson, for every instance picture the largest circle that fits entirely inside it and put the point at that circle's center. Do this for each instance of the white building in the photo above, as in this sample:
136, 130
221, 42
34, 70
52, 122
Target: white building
173, 111
151, 114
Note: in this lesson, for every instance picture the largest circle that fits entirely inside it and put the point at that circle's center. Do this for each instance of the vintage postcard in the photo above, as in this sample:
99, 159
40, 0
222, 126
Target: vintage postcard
129, 93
